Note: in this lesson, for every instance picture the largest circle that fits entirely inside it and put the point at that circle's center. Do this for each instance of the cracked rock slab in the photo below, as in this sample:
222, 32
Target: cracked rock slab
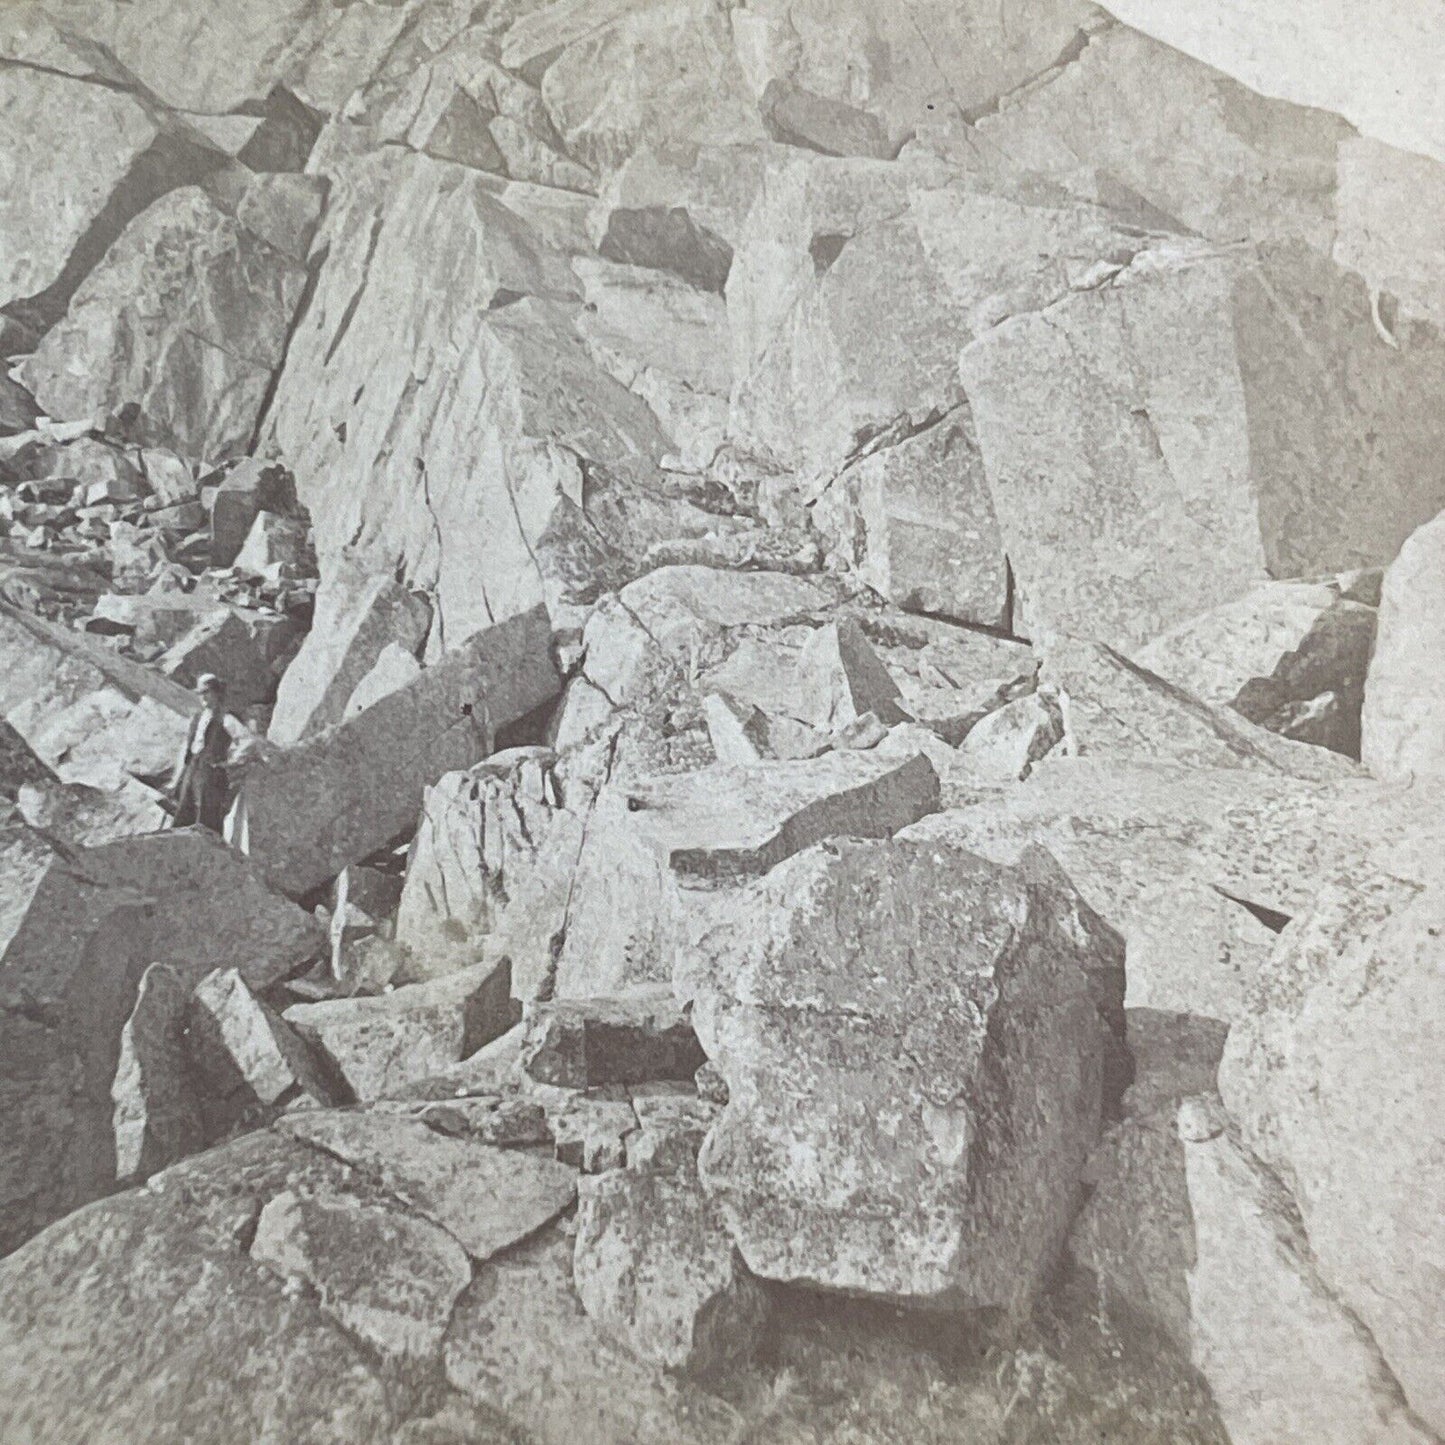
378, 1045
521, 1343
655, 1267
387, 1277
1285, 1360
187, 293
486, 1199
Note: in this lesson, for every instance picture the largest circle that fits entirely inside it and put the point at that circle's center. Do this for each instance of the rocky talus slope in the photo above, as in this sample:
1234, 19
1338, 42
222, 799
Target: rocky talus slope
841, 607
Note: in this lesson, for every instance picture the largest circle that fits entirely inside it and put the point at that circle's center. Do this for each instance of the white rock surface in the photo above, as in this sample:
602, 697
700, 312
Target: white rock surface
1402, 730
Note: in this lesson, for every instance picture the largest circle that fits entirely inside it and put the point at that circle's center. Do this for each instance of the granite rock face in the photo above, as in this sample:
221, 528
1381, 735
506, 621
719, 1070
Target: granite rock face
885, 1132
775, 561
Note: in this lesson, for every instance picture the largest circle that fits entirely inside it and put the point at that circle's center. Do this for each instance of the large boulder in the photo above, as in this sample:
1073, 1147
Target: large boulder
652, 850
856, 282
916, 1044
1096, 487
479, 837
1334, 1080
1401, 730
187, 318
375, 1046
1158, 136
309, 811
1198, 868
916, 523
1283, 1358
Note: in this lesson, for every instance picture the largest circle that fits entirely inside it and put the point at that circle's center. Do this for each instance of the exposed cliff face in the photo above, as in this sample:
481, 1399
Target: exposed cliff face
858, 546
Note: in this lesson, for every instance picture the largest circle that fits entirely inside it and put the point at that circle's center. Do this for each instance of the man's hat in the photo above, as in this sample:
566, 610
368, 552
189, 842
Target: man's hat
208, 680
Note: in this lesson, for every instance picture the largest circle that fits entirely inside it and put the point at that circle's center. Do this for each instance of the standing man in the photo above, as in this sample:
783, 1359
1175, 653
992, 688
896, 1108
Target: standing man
200, 786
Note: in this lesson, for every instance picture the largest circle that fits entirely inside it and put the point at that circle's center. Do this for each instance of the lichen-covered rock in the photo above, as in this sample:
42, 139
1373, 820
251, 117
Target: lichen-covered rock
388, 1277
657, 1270
487, 1199
522, 1344
916, 1068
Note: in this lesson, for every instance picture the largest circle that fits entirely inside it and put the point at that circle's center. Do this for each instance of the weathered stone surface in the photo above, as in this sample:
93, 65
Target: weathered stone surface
628, 1039
1284, 1359
387, 1277
1005, 745
1383, 82
337, 798
486, 1199
857, 282
480, 833
248, 1057
394, 669
1156, 135
156, 1120
186, 317
915, 521
358, 614
1112, 707
1198, 868
667, 341
647, 846
1100, 505
865, 1097
1383, 201
1401, 731
68, 148
217, 908
377, 1045
521, 1343
685, 85
248, 489
398, 475
1290, 656
142, 1318
1333, 1079
906, 69
841, 679
657, 1270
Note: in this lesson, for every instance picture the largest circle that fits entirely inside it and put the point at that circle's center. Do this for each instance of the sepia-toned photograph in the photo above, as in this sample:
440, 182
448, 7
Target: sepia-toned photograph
722, 722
